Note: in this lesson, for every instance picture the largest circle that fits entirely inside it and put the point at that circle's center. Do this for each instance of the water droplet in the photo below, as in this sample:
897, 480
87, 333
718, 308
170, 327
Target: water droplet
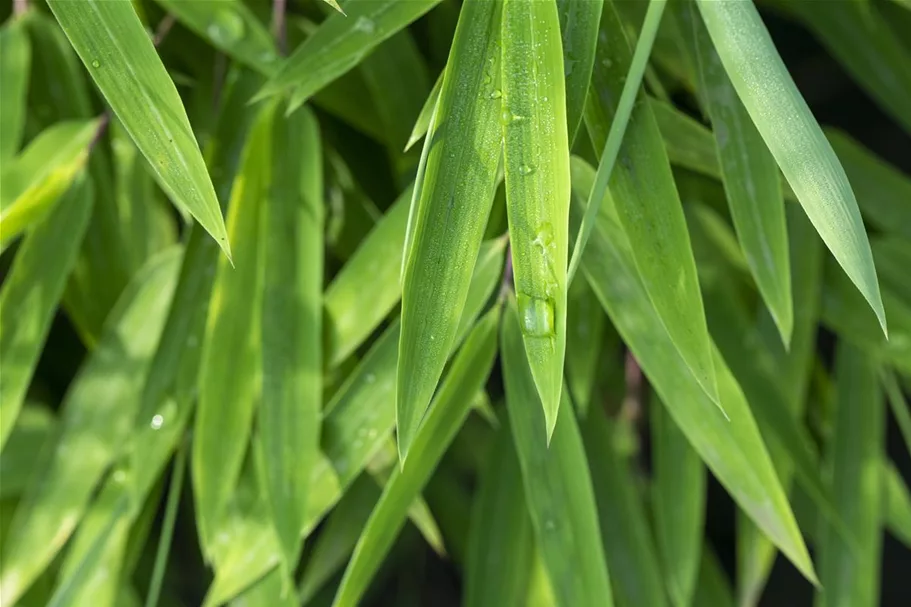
607, 63
536, 315
370, 378
550, 525
371, 434
96, 63
545, 236
496, 94
226, 27
363, 24
526, 169
157, 422
119, 476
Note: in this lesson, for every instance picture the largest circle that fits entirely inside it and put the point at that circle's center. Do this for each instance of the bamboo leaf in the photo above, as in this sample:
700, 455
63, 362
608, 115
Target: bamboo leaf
452, 201
850, 574
896, 504
585, 342
749, 174
340, 43
231, 350
579, 33
625, 534
115, 49
558, 488
34, 181
167, 528
647, 202
805, 156
713, 587
15, 64
292, 231
422, 124
372, 273
678, 505
733, 449
500, 542
31, 293
30, 440
536, 154
96, 419
468, 373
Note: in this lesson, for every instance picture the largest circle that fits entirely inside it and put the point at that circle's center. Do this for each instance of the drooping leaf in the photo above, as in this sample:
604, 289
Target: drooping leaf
500, 542
468, 373
97, 414
749, 173
733, 449
452, 201
115, 49
586, 332
229, 384
851, 574
789, 130
678, 505
648, 204
536, 159
340, 43
558, 488
31, 293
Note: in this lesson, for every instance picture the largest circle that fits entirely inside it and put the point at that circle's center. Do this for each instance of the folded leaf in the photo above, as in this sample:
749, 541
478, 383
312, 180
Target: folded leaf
15, 63
579, 29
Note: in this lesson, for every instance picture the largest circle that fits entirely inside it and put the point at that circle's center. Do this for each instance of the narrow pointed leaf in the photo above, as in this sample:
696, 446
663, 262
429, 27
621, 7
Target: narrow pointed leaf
536, 153
586, 333
625, 533
371, 274
15, 63
749, 174
558, 488
31, 439
500, 542
229, 371
452, 203
579, 28
96, 419
678, 505
292, 236
896, 504
805, 156
31, 293
119, 55
468, 373
732, 448
167, 528
34, 181
648, 204
713, 587
422, 124
851, 574
340, 43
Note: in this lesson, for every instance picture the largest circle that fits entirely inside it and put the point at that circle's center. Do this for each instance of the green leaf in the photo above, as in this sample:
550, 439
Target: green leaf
625, 533
648, 204
805, 156
292, 237
468, 373
899, 407
422, 124
500, 541
119, 55
371, 274
732, 448
167, 528
15, 64
536, 160
229, 384
896, 504
558, 488
678, 505
850, 574
749, 174
579, 33
31, 438
859, 37
452, 201
97, 412
31, 293
340, 43
231, 27
35, 180
713, 587
586, 334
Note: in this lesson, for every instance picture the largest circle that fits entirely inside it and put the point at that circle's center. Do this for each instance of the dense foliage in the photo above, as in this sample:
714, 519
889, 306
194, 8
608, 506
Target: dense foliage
281, 277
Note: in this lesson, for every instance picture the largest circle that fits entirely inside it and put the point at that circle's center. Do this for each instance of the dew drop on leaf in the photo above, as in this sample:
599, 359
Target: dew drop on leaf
536, 315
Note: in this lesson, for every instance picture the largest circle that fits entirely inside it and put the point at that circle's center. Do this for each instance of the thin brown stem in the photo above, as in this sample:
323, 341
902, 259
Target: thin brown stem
278, 25
19, 7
